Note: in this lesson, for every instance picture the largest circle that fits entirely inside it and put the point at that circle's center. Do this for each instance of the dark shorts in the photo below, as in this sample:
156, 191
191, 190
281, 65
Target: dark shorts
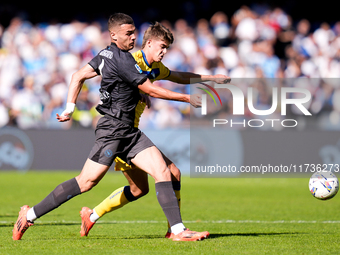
114, 139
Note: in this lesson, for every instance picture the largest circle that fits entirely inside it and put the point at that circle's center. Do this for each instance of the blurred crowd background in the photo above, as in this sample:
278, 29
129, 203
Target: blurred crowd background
38, 58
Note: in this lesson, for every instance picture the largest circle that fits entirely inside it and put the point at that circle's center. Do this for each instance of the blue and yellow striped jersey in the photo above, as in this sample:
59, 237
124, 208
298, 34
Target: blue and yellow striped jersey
156, 71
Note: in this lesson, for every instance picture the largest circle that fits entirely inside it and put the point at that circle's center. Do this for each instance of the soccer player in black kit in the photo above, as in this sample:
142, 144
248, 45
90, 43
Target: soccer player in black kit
116, 135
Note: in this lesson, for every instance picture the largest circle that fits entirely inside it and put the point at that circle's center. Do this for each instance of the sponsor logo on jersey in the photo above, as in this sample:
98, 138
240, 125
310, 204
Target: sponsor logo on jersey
138, 68
108, 153
106, 53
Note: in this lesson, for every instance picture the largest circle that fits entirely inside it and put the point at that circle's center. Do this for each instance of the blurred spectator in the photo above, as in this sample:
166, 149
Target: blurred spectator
300, 40
245, 24
4, 115
54, 96
220, 28
26, 107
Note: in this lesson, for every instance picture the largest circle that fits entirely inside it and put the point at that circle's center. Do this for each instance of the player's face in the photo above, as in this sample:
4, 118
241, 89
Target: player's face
158, 49
125, 37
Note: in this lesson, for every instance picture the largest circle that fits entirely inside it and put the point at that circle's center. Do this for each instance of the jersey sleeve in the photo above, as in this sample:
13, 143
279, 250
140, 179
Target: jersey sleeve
130, 72
163, 71
95, 63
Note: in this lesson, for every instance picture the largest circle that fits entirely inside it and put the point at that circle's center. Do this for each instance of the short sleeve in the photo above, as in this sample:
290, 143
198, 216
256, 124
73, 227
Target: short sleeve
163, 71
95, 63
129, 71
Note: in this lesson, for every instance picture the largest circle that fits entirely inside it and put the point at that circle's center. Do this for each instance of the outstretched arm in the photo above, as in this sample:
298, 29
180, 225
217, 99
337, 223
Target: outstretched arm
162, 93
76, 84
188, 78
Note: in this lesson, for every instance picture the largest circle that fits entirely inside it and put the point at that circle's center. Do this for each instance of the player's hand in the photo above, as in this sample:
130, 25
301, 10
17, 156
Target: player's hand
196, 100
221, 79
145, 99
67, 113
63, 117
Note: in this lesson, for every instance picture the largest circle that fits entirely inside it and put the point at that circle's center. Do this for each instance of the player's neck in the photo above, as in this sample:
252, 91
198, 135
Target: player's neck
121, 47
148, 58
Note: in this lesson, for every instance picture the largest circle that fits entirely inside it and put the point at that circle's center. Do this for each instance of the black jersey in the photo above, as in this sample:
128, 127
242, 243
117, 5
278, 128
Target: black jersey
119, 86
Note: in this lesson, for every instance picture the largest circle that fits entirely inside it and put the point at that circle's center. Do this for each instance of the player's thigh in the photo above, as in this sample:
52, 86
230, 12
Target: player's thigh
151, 161
91, 174
138, 181
175, 172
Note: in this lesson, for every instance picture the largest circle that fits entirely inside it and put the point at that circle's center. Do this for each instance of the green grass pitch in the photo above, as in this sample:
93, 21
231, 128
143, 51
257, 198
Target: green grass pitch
243, 216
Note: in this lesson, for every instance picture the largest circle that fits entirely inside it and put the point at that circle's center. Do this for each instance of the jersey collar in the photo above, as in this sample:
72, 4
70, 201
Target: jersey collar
144, 57
113, 44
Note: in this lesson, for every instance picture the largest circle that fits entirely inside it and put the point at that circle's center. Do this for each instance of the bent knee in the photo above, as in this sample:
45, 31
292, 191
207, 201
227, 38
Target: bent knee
140, 192
85, 184
175, 173
162, 174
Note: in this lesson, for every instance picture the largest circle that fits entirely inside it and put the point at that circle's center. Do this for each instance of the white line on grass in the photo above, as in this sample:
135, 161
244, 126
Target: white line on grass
198, 221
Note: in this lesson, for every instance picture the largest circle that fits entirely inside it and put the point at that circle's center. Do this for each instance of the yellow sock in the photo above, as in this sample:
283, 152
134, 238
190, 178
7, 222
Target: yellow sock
178, 196
116, 200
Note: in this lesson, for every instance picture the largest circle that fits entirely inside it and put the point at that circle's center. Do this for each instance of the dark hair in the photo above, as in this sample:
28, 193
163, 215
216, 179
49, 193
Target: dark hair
157, 31
119, 19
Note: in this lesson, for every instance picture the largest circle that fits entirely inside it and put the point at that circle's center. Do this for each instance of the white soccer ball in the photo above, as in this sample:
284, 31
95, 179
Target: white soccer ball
323, 185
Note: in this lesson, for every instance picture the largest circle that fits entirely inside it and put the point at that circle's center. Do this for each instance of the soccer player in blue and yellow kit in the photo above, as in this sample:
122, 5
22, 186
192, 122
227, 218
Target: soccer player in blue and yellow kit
156, 41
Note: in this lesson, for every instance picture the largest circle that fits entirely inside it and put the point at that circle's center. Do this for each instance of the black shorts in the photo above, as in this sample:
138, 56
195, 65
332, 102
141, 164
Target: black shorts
114, 139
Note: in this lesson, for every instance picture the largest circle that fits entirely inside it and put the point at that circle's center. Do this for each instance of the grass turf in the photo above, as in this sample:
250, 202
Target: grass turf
243, 216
